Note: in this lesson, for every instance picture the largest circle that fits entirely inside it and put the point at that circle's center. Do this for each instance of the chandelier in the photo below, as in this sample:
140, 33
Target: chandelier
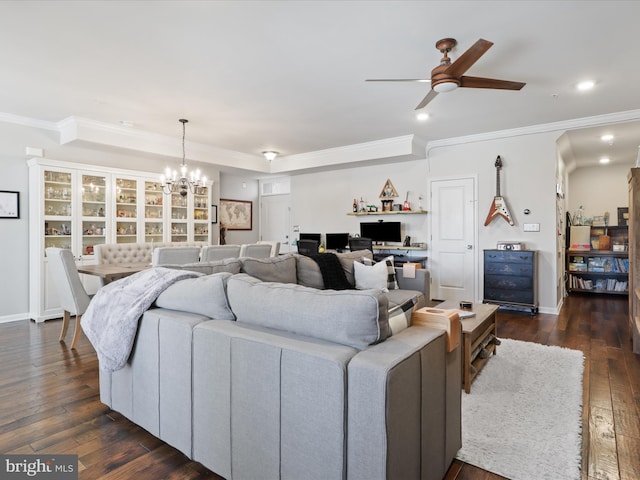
171, 182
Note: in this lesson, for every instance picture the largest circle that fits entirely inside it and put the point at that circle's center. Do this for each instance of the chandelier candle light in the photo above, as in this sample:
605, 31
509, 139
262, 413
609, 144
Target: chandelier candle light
172, 183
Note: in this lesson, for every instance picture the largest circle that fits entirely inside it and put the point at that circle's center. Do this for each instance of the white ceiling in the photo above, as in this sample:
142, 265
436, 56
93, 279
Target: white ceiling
289, 75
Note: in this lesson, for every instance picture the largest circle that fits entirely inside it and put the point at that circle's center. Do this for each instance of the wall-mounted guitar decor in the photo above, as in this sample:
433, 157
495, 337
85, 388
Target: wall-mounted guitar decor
499, 205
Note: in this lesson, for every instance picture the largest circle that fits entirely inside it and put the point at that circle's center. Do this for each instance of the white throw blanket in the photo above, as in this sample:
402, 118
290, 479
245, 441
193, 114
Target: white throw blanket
111, 320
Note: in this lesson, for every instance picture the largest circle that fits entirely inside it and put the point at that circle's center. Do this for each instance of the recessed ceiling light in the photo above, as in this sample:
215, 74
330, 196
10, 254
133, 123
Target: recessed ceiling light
605, 160
607, 138
586, 85
422, 116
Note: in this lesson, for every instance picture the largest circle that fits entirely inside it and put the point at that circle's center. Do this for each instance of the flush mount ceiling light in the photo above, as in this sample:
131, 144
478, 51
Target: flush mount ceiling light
605, 160
270, 155
422, 116
585, 85
607, 138
182, 184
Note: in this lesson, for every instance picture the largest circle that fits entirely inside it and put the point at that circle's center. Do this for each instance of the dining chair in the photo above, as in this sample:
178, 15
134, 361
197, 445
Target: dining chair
175, 255
308, 247
255, 250
219, 252
74, 299
275, 246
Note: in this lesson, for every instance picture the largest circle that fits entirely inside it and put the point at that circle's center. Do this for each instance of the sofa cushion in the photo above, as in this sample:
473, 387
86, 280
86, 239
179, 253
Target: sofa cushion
356, 318
230, 265
204, 295
272, 269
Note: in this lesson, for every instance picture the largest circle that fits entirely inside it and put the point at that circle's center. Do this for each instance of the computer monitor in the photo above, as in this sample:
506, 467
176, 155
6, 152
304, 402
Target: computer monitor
311, 236
337, 241
381, 231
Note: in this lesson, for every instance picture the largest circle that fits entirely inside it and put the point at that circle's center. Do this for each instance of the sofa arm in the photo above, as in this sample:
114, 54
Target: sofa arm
407, 397
421, 283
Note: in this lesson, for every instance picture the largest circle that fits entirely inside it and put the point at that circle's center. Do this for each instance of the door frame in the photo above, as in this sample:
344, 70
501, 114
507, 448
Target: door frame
476, 230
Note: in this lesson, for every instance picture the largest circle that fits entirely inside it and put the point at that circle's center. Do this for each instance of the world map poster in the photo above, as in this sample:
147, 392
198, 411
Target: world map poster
236, 214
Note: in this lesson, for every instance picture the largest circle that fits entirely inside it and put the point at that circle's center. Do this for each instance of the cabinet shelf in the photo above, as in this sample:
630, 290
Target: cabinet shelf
399, 212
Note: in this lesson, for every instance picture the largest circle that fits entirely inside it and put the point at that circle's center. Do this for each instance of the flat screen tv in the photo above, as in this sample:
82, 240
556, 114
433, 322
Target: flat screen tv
311, 236
337, 241
381, 231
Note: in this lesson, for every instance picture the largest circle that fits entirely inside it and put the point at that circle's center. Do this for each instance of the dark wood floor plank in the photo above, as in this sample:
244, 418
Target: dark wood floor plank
49, 398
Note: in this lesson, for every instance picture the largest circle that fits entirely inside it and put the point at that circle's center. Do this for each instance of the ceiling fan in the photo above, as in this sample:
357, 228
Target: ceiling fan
448, 76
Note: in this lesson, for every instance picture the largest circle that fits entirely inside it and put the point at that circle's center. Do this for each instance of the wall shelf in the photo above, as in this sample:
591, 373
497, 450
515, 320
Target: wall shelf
400, 212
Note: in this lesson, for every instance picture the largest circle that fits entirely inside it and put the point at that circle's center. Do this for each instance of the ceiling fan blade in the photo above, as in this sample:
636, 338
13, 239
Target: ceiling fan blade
479, 82
468, 58
430, 96
422, 80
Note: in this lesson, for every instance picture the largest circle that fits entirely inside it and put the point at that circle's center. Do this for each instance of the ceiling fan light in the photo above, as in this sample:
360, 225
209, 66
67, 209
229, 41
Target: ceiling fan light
445, 87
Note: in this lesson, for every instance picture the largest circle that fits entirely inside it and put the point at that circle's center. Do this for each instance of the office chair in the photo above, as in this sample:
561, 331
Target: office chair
308, 247
360, 243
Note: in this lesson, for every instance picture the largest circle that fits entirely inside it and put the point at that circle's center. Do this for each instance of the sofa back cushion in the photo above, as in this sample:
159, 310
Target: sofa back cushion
272, 269
356, 318
205, 295
230, 265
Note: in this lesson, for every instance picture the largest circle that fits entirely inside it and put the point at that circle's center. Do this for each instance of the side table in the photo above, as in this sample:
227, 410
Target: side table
475, 331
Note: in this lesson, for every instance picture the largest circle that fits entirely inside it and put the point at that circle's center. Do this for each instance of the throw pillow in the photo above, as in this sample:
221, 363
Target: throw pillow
392, 281
205, 295
371, 276
308, 272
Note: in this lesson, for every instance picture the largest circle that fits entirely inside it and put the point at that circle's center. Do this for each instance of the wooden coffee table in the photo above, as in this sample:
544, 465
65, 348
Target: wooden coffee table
474, 331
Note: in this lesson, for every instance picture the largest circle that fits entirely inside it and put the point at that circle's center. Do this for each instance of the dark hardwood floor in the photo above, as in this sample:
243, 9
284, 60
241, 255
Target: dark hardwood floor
49, 401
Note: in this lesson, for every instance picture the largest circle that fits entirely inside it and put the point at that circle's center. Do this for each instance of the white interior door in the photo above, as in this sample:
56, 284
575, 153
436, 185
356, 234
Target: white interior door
453, 256
275, 220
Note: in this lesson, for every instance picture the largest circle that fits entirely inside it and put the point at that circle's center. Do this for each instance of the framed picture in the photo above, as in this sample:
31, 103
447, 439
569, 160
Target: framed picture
214, 214
623, 215
236, 214
9, 204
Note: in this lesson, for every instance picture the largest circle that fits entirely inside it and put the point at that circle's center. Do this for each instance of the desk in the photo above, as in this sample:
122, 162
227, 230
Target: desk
113, 271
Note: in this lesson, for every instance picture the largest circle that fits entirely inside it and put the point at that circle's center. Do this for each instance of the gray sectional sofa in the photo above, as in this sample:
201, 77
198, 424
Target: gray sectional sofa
263, 379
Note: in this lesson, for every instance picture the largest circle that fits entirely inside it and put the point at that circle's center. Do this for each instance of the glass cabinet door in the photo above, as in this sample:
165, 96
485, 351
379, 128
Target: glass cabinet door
58, 209
94, 208
201, 215
126, 202
153, 212
179, 218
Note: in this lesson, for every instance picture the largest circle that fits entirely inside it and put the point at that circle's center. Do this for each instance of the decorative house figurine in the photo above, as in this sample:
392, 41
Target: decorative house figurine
387, 195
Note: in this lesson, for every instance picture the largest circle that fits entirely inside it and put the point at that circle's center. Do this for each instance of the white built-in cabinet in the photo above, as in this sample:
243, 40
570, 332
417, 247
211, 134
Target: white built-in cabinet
79, 206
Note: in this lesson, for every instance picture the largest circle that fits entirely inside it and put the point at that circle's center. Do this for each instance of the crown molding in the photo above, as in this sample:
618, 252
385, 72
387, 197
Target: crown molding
396, 149
28, 122
584, 122
77, 129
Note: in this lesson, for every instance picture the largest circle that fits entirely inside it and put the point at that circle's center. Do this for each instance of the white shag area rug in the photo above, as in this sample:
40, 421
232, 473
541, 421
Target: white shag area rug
522, 419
